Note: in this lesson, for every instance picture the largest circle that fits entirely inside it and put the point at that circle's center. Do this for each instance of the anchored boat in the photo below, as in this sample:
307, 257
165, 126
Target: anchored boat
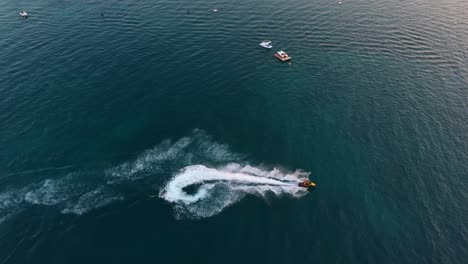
266, 44
282, 56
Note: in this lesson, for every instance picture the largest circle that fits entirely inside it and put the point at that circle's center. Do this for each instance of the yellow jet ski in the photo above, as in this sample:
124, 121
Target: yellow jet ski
308, 184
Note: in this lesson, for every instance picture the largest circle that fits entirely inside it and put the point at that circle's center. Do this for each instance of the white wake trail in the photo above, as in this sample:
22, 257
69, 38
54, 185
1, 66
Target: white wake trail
195, 190
216, 189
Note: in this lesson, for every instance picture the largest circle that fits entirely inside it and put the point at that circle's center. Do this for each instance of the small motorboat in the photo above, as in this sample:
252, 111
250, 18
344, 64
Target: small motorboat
282, 56
307, 184
266, 44
215, 10
23, 14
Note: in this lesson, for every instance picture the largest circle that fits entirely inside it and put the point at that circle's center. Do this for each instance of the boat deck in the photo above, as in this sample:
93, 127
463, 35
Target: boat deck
282, 58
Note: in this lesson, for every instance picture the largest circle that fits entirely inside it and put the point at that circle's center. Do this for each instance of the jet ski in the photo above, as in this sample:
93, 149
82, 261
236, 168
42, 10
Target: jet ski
307, 184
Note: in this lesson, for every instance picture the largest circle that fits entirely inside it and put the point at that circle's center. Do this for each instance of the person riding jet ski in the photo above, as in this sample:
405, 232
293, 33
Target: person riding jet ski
307, 184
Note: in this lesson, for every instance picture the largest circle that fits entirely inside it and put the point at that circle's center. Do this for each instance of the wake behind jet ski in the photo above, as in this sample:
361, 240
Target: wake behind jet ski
307, 184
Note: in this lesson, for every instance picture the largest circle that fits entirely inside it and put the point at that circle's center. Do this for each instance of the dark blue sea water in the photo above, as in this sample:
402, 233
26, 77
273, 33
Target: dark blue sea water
138, 132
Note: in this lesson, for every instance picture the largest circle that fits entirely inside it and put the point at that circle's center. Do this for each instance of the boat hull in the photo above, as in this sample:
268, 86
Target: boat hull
282, 58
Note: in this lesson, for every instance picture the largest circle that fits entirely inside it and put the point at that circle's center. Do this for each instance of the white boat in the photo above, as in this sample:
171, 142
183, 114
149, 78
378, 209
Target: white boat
266, 44
23, 14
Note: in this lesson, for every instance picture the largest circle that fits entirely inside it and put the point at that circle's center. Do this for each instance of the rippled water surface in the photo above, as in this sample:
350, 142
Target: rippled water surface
159, 131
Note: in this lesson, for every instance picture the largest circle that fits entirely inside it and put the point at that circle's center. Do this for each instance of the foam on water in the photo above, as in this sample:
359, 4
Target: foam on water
93, 199
193, 159
170, 156
222, 187
67, 194
10, 203
52, 191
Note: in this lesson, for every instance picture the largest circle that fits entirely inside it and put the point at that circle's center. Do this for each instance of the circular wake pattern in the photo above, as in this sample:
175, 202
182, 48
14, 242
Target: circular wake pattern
216, 189
80, 190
